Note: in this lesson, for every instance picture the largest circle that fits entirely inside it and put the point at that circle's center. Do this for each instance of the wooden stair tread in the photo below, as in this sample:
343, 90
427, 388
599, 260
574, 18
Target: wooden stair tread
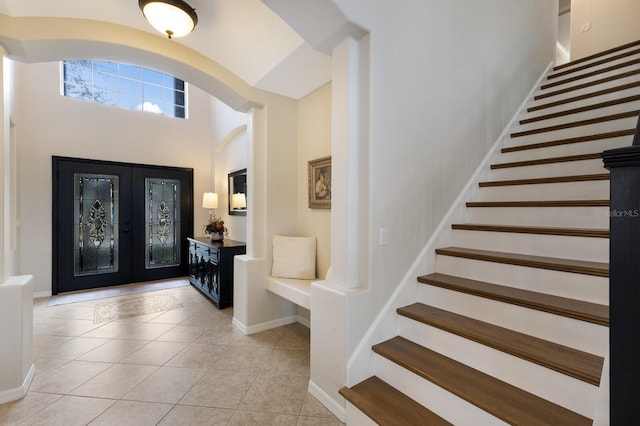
585, 96
578, 110
385, 405
552, 263
545, 203
540, 230
550, 160
502, 400
590, 74
593, 64
563, 359
598, 55
555, 179
567, 141
585, 85
570, 308
569, 125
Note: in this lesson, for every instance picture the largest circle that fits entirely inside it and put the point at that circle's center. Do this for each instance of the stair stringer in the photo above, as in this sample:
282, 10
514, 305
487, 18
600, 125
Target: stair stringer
361, 364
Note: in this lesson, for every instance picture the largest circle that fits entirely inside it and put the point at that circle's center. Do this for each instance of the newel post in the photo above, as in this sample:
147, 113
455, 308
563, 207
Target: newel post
624, 281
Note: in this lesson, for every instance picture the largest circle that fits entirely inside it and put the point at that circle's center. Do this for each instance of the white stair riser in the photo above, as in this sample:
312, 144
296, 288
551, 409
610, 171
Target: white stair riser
445, 404
586, 79
583, 190
579, 103
567, 168
563, 390
357, 417
570, 217
579, 248
584, 115
574, 132
565, 284
567, 149
579, 92
581, 335
609, 62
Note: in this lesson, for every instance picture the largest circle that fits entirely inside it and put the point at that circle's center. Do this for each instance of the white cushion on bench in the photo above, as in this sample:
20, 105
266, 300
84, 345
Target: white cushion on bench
294, 290
294, 257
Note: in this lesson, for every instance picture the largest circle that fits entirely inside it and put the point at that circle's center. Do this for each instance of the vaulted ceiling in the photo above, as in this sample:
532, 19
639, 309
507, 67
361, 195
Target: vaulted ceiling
245, 36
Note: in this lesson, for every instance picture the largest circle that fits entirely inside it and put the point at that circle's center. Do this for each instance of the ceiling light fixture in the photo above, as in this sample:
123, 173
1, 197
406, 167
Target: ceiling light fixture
175, 18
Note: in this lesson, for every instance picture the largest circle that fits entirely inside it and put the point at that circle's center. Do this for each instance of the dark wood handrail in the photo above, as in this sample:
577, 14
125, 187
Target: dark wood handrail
624, 281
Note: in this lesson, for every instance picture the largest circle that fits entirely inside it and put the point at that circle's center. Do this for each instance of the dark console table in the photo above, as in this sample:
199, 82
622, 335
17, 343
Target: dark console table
211, 268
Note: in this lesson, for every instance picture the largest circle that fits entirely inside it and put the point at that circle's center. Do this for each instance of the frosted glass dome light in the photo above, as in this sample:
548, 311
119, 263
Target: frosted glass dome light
175, 18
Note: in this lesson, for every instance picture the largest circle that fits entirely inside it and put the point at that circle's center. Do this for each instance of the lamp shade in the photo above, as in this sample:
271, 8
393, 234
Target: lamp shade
239, 201
175, 18
210, 200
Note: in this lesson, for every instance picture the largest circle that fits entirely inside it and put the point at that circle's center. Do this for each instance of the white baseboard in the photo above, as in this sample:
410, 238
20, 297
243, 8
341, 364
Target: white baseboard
19, 392
247, 330
331, 404
302, 320
40, 294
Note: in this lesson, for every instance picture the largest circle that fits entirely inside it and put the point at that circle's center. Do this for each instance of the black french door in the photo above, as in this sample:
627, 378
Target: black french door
118, 223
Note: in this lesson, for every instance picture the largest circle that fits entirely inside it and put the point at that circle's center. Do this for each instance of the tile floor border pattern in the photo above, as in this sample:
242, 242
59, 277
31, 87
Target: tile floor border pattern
133, 306
184, 366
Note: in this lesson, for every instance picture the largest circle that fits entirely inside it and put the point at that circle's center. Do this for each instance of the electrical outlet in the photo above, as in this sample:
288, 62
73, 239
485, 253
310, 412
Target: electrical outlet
384, 236
585, 27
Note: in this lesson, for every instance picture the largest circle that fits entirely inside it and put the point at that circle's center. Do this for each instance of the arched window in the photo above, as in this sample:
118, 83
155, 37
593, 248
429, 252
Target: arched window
125, 86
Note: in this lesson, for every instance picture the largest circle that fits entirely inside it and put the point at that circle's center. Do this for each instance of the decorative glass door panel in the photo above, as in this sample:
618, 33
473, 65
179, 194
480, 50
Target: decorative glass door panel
95, 224
162, 218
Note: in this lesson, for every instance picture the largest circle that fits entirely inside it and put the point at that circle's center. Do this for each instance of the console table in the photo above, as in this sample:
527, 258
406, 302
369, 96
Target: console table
211, 268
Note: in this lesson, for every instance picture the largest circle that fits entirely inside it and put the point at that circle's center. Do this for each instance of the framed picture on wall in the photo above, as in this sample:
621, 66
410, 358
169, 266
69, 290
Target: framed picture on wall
320, 183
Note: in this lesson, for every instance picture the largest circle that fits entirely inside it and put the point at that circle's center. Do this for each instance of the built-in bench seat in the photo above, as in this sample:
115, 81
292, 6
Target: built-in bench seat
294, 290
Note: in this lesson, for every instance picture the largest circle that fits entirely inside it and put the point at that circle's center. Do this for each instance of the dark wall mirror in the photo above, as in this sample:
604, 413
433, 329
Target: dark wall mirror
238, 193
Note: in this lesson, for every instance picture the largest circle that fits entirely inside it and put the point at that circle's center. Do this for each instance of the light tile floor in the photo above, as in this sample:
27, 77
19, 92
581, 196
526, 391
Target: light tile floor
184, 365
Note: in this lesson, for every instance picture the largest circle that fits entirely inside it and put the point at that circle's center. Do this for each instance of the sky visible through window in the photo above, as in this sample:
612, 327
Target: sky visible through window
125, 86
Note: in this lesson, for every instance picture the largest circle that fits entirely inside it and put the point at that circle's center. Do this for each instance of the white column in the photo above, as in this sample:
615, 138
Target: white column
256, 182
350, 168
4, 170
254, 308
8, 172
348, 277
16, 293
16, 334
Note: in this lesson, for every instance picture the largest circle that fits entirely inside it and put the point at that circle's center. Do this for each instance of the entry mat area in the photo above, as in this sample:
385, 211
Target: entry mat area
104, 293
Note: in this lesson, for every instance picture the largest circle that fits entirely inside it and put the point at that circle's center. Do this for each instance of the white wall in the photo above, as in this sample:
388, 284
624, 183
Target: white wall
613, 22
231, 142
49, 124
314, 141
446, 77
564, 30
563, 55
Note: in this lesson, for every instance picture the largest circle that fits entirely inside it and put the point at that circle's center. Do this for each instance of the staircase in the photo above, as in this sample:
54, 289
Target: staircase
512, 327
